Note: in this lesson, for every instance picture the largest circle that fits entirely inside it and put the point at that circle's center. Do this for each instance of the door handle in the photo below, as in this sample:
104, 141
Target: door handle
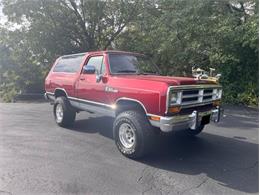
82, 78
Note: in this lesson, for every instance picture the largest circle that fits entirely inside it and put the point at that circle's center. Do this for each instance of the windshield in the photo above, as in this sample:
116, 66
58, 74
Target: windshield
131, 64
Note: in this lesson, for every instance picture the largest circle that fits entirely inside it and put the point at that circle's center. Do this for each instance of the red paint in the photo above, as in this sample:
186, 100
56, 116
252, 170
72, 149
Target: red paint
149, 89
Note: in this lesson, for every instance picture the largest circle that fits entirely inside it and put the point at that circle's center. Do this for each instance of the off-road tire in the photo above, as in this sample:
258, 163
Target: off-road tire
191, 132
69, 113
144, 133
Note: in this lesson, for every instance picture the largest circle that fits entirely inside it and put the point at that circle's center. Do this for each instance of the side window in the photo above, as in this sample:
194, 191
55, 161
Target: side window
69, 64
96, 61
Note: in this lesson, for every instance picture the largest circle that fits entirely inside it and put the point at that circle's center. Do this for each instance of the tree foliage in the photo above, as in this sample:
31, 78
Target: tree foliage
176, 33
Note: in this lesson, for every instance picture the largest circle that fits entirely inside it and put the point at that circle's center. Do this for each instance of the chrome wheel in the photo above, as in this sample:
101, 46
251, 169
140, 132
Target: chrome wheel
127, 135
59, 113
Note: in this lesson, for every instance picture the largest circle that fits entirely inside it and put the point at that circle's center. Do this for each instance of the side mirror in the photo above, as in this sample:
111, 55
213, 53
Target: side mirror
89, 69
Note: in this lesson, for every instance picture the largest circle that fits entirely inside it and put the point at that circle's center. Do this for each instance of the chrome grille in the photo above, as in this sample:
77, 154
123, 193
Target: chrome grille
193, 96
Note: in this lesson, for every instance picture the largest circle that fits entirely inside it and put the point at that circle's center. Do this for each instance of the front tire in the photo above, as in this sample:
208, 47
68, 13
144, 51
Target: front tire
133, 134
194, 132
64, 114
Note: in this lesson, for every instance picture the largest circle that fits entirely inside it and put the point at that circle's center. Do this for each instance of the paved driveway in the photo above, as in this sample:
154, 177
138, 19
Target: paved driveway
38, 157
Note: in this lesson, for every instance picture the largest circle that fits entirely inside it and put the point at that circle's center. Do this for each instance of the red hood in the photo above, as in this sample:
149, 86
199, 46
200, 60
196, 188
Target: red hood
169, 80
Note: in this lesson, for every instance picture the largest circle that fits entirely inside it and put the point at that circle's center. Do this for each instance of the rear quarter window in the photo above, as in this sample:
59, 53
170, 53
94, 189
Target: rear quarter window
69, 64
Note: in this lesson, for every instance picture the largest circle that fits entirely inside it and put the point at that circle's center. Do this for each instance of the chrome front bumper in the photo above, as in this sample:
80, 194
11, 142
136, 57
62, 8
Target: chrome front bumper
181, 122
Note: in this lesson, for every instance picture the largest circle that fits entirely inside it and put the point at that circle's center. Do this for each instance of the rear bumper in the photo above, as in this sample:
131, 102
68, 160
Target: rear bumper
192, 121
46, 96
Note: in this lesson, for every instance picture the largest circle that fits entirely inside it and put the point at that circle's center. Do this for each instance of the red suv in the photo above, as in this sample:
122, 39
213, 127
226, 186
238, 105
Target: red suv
128, 87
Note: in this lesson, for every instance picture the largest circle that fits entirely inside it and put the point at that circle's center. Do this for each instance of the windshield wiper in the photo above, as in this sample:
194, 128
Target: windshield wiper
126, 71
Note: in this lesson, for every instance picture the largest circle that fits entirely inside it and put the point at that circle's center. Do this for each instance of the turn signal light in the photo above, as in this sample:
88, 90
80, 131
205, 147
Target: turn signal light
155, 118
174, 109
216, 103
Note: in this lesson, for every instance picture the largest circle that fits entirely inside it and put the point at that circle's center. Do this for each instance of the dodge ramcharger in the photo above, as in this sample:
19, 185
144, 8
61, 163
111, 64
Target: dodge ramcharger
129, 87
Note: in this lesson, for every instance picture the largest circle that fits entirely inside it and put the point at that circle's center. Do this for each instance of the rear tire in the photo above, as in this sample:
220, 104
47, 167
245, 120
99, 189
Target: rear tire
133, 134
191, 132
64, 114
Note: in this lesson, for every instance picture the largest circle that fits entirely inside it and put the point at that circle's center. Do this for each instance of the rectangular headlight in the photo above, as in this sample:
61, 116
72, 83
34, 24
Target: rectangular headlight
217, 94
174, 98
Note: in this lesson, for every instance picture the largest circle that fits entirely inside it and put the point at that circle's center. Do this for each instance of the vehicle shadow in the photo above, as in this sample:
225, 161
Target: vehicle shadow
102, 125
230, 162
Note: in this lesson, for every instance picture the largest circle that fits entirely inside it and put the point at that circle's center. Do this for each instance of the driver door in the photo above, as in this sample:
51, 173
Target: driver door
88, 88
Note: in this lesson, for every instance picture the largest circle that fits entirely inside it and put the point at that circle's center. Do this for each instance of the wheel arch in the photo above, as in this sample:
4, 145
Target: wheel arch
123, 104
60, 92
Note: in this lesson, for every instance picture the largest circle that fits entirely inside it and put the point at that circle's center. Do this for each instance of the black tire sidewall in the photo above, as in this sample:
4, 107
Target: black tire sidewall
138, 148
126, 151
61, 102
194, 132
68, 113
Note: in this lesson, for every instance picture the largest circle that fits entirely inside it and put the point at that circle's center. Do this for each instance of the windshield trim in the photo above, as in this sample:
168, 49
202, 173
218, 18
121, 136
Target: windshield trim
128, 73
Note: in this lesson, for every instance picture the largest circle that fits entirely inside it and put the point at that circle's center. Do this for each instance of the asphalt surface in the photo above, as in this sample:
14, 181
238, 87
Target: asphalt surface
38, 157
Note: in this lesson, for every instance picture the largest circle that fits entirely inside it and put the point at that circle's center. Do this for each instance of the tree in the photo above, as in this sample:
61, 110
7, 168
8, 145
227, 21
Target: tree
46, 29
218, 34
176, 33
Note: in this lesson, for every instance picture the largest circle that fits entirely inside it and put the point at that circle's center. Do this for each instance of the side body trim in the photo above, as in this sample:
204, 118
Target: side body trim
95, 106
91, 102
